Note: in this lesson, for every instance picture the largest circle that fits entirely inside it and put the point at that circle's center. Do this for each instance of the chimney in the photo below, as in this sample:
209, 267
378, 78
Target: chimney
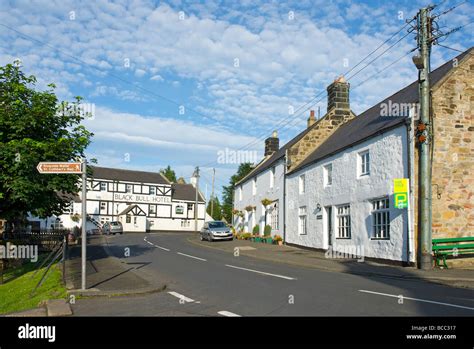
311, 119
338, 96
272, 144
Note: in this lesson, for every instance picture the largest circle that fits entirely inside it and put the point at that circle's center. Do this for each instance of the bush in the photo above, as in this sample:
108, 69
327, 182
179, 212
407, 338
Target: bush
278, 238
256, 230
246, 236
267, 231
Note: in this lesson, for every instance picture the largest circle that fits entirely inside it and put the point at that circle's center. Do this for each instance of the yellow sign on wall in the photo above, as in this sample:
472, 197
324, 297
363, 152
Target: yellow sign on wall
400, 192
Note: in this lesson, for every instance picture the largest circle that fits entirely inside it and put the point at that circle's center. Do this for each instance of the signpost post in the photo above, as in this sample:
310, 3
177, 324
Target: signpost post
72, 168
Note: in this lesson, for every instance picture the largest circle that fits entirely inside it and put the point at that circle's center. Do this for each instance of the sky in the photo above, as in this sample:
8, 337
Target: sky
192, 83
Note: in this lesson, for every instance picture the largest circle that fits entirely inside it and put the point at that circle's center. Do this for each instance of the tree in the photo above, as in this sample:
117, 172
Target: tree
34, 127
228, 191
217, 212
169, 174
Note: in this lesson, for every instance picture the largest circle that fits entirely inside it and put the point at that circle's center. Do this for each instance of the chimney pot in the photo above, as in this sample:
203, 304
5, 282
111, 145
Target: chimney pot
311, 119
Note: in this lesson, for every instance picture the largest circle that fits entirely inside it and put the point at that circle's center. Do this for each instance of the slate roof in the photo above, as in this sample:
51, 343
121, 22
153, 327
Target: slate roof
370, 123
128, 175
185, 192
270, 160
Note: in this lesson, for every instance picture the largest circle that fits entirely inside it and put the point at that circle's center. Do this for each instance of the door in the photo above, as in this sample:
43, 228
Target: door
329, 225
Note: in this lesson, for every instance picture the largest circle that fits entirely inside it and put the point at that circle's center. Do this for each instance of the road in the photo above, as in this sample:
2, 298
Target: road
209, 282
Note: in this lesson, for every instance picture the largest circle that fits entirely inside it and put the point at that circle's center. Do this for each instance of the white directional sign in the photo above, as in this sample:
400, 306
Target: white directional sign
59, 167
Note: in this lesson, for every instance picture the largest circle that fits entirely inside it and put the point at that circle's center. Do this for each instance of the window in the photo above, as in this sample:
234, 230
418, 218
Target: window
272, 177
381, 219
152, 190
129, 188
152, 209
328, 175
134, 220
179, 209
302, 220
274, 216
190, 207
103, 205
103, 186
254, 186
364, 160
69, 208
129, 219
302, 184
344, 222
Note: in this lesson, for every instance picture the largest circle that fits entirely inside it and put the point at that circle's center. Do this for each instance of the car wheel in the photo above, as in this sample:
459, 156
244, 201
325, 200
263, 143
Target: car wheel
209, 237
200, 237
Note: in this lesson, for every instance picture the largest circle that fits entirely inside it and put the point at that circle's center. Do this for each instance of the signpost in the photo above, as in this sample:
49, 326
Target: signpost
72, 168
400, 192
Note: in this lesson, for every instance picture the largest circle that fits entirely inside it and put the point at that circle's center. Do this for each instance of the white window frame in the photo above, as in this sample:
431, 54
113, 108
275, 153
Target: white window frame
272, 177
128, 188
152, 209
103, 186
343, 219
152, 190
364, 163
254, 186
302, 221
274, 216
302, 184
328, 175
380, 219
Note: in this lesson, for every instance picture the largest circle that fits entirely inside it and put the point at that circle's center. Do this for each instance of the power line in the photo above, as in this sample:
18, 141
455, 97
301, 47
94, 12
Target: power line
288, 119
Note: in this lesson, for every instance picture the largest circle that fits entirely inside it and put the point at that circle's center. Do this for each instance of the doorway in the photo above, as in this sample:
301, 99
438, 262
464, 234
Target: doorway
329, 225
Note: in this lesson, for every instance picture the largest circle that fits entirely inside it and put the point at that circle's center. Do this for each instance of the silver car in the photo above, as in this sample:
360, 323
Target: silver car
112, 228
216, 230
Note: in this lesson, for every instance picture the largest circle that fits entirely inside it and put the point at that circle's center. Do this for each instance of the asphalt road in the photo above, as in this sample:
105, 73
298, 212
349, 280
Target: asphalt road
203, 281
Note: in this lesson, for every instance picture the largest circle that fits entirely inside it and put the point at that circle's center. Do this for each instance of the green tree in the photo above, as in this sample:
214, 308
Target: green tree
169, 174
228, 191
217, 212
34, 127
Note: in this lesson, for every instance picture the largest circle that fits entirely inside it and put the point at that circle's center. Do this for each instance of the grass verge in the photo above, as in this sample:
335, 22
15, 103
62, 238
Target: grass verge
15, 295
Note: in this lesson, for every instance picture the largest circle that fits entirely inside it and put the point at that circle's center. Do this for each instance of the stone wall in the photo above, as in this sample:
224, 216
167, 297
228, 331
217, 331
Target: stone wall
453, 161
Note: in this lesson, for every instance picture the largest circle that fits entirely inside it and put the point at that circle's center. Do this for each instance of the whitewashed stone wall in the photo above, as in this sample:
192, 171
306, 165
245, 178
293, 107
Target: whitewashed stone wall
388, 160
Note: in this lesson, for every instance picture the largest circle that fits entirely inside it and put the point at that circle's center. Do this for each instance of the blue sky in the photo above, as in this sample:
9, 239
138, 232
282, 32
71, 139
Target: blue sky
177, 82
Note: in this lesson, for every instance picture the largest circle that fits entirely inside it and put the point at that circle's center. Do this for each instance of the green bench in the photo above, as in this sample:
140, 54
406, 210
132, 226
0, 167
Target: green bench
443, 248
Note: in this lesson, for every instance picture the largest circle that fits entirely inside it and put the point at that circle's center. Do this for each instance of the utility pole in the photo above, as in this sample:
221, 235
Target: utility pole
196, 205
422, 62
84, 221
212, 194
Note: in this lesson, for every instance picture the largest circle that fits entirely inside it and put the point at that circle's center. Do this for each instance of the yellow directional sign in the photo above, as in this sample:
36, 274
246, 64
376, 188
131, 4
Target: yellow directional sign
400, 192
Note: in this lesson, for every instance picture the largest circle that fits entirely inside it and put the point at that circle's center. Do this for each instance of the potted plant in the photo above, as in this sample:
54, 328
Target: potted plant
267, 234
278, 240
256, 234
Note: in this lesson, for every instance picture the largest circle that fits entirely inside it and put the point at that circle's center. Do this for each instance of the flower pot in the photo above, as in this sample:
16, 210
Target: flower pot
280, 243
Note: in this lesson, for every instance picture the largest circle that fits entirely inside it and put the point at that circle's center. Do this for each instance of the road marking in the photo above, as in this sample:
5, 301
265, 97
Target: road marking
163, 248
181, 297
227, 313
416, 299
187, 255
261, 272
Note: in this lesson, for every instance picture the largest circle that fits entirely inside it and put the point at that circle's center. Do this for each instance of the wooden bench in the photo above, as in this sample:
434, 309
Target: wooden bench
442, 248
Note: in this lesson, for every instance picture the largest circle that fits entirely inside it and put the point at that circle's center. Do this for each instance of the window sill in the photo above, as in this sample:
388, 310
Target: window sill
349, 238
380, 239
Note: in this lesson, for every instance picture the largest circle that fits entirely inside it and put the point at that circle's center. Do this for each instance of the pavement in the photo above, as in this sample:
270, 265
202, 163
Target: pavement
318, 260
106, 274
211, 279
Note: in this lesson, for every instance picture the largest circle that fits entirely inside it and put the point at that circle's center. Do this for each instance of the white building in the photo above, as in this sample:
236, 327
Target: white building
335, 180
143, 201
